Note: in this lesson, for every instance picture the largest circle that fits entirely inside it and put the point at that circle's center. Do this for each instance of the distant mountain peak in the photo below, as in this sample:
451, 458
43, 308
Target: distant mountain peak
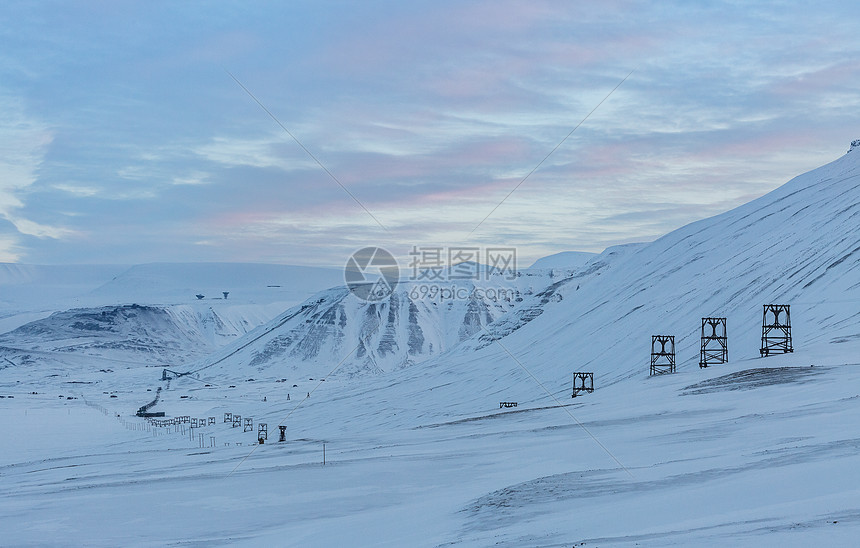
854, 144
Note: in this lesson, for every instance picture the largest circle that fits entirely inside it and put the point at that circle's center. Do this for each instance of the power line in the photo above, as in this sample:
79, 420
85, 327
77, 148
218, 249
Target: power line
308, 152
550, 153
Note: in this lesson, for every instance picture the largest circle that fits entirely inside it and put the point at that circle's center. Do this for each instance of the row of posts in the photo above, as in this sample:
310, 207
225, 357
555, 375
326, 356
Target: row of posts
262, 428
234, 420
714, 349
193, 422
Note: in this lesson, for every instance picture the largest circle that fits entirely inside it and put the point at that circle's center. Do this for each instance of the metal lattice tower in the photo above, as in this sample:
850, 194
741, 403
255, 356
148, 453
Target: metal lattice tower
262, 431
715, 342
662, 360
776, 331
585, 384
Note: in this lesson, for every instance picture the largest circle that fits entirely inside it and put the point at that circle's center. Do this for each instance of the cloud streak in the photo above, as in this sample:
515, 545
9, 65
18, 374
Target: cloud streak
429, 113
23, 142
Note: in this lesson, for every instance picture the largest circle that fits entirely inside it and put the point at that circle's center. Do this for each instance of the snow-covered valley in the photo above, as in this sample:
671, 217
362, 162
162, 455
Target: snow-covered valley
418, 452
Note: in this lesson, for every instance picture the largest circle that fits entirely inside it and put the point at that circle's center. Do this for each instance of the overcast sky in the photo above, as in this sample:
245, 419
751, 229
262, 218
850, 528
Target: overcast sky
123, 139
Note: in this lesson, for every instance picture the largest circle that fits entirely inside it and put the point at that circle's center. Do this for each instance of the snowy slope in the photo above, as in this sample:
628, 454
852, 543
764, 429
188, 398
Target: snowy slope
798, 245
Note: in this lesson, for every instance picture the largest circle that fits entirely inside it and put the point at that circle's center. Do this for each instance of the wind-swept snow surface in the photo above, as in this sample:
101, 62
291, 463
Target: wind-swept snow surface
756, 452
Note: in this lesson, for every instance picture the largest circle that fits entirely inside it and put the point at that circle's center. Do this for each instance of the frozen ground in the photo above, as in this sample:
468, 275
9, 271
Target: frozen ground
708, 457
756, 452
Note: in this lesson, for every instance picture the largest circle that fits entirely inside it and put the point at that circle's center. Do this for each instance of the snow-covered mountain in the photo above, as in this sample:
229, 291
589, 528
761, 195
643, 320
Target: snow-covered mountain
416, 322
137, 333
146, 313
